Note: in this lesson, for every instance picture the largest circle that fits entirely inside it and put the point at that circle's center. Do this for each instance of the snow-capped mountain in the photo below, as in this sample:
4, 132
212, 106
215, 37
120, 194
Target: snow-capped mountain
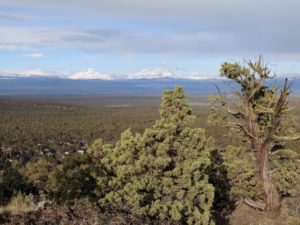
29, 73
164, 73
93, 74
90, 74
151, 74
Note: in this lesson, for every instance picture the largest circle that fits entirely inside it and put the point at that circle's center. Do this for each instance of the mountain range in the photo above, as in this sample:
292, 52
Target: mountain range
90, 73
54, 86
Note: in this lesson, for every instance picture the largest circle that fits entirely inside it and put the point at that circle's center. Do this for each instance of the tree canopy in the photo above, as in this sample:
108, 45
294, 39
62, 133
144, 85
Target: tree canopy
161, 173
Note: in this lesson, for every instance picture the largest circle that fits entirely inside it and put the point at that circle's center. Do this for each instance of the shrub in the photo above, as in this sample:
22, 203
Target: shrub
285, 168
241, 173
161, 173
10, 180
75, 179
240, 165
40, 174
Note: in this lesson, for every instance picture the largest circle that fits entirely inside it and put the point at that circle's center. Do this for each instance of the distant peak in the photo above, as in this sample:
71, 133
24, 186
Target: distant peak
90, 74
164, 73
151, 74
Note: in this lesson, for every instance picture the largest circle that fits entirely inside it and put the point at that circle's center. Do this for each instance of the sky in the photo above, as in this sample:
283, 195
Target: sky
136, 38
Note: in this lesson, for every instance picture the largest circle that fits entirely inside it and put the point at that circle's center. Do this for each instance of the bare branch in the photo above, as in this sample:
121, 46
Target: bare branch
273, 171
256, 205
248, 133
241, 127
257, 88
287, 138
275, 120
264, 109
218, 89
235, 114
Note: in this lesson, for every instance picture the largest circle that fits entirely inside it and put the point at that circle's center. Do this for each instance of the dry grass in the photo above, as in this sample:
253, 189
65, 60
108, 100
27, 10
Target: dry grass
244, 215
19, 204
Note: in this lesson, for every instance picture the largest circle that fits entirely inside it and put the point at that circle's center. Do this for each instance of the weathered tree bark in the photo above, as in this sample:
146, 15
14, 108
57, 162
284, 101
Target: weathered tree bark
271, 195
262, 146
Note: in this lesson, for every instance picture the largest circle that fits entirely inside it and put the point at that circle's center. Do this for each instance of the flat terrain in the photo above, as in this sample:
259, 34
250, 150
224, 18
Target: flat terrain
27, 122
64, 123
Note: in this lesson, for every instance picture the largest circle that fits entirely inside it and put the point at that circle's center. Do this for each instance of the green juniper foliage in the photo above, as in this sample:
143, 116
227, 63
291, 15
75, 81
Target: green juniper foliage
161, 173
11, 180
75, 179
241, 172
285, 171
40, 174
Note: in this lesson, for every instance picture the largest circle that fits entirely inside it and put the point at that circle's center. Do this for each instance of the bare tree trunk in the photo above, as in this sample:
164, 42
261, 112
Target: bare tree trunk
271, 195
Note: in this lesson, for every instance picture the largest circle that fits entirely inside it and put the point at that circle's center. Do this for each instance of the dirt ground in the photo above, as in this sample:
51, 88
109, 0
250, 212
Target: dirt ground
79, 213
244, 215
85, 213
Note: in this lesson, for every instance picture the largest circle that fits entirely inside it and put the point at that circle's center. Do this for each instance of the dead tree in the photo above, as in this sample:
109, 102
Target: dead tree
259, 114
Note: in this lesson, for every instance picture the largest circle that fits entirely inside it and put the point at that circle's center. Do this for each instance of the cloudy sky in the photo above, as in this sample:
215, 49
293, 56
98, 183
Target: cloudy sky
119, 37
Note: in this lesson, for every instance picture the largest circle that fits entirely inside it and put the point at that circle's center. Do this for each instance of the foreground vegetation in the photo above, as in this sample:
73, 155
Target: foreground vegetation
165, 168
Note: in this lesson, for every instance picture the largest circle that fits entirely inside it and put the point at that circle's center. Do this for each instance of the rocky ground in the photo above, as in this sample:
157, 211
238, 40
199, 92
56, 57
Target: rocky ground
85, 213
79, 213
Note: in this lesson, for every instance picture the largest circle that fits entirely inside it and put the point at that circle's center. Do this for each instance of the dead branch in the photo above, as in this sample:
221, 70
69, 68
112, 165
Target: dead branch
286, 138
256, 205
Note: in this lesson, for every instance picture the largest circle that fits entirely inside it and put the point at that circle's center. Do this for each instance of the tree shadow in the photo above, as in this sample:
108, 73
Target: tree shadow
223, 205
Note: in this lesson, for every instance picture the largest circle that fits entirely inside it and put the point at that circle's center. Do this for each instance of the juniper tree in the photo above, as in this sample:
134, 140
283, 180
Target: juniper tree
39, 174
74, 179
161, 173
10, 180
258, 114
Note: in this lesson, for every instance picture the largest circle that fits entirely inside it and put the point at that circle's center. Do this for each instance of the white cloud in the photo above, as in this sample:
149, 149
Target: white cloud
90, 74
12, 17
33, 55
8, 47
203, 27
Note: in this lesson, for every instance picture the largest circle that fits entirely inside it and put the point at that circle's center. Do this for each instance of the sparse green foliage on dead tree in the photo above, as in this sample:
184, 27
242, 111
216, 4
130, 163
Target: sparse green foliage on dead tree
259, 115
